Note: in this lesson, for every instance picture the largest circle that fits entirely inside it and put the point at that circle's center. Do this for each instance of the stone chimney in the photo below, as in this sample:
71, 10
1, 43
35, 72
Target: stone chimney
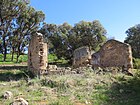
37, 54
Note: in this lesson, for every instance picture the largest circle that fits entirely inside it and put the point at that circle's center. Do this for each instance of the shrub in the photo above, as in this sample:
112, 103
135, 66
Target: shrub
136, 63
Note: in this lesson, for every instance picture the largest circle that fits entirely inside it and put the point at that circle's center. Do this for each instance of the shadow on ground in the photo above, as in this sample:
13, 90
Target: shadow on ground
10, 73
13, 67
125, 91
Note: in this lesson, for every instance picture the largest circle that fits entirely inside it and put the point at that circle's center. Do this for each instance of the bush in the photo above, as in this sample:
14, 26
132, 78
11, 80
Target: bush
136, 63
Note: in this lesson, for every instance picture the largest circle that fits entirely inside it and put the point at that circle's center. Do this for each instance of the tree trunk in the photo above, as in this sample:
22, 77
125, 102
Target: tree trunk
4, 54
5, 50
13, 51
17, 57
18, 53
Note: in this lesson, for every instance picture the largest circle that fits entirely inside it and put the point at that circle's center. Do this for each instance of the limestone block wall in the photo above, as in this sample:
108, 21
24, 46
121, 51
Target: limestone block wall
37, 54
113, 54
81, 57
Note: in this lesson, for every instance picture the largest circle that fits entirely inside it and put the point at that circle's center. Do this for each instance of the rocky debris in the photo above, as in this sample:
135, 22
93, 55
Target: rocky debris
52, 67
19, 101
68, 68
54, 70
2, 84
71, 82
7, 95
87, 102
113, 70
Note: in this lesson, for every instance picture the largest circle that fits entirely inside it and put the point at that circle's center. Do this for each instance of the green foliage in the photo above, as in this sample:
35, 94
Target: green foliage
136, 63
133, 38
61, 85
52, 59
126, 91
18, 22
22, 58
72, 89
64, 39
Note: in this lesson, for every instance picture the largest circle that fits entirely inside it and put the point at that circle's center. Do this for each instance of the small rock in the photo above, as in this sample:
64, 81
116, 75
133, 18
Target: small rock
68, 68
87, 103
19, 101
3, 84
52, 67
7, 95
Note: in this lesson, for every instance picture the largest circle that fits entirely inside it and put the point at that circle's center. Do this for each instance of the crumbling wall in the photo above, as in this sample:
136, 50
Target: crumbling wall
81, 57
113, 54
37, 54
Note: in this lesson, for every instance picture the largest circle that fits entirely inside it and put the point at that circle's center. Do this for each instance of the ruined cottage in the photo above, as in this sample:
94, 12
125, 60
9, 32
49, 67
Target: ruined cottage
113, 54
37, 54
81, 56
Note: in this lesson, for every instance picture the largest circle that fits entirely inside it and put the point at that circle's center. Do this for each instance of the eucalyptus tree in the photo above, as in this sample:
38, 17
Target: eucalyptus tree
58, 38
50, 33
18, 21
64, 39
133, 38
27, 23
65, 30
8, 11
91, 34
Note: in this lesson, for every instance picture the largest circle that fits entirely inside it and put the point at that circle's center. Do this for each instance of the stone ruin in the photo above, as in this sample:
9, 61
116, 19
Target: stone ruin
112, 54
38, 58
81, 57
37, 54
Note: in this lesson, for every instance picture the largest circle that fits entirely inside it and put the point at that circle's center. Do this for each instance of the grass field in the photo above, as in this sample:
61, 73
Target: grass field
22, 58
52, 58
88, 88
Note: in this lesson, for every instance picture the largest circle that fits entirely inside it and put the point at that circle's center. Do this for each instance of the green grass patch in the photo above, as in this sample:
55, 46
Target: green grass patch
136, 63
22, 58
52, 59
70, 89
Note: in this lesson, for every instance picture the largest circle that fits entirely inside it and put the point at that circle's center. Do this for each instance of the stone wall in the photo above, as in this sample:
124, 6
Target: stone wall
81, 57
113, 54
37, 54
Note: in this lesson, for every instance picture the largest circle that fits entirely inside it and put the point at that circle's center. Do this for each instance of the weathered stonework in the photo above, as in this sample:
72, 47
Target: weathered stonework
37, 54
81, 57
113, 54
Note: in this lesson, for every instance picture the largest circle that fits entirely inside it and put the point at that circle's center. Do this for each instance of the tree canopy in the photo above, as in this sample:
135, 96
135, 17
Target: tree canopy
64, 39
18, 21
133, 38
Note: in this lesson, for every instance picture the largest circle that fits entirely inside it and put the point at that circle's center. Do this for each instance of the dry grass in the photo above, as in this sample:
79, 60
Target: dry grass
73, 89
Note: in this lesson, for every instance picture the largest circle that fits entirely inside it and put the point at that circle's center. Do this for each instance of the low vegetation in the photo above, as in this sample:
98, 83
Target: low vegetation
136, 63
22, 58
52, 59
71, 89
